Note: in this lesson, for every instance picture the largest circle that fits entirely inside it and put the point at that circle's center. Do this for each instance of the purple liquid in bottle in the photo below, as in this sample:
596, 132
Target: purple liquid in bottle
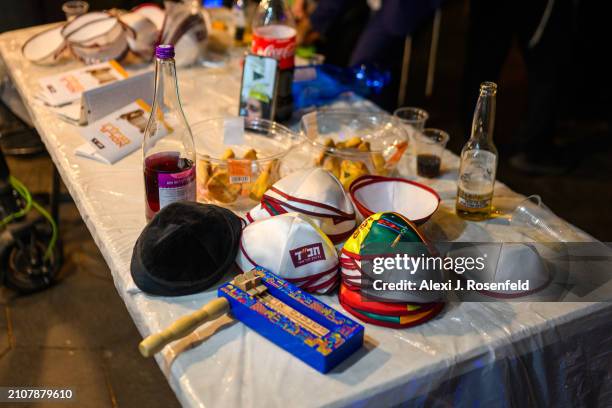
168, 178
169, 154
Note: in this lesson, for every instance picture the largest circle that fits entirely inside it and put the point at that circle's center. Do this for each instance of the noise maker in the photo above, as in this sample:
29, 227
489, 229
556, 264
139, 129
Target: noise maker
287, 316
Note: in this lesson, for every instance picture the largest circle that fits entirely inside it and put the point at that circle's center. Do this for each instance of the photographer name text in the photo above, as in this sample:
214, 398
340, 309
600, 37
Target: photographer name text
456, 285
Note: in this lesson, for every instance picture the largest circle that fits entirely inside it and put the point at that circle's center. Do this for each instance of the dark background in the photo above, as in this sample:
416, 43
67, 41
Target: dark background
25, 13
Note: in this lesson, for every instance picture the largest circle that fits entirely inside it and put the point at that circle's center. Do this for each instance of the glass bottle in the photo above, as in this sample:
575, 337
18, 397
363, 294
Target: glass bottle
238, 13
274, 35
479, 160
168, 148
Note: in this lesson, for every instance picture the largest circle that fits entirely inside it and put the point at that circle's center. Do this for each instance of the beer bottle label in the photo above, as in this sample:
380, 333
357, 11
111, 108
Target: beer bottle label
476, 179
473, 201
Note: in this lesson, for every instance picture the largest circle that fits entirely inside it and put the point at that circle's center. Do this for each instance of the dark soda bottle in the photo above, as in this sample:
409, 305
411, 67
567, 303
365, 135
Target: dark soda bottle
274, 35
168, 148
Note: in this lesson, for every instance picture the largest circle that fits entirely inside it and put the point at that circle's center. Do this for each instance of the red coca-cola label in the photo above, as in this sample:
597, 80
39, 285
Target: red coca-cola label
276, 41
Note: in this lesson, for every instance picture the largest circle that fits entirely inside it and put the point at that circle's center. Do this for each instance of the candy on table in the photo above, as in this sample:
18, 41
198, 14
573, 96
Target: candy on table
204, 169
332, 164
266, 179
218, 184
251, 154
228, 154
216, 178
329, 143
353, 142
364, 146
349, 170
380, 165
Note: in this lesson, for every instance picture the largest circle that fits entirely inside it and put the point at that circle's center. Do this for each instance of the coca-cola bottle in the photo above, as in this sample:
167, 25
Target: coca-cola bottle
274, 35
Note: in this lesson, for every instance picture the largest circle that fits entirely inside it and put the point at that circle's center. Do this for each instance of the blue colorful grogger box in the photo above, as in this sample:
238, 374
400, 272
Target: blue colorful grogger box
292, 319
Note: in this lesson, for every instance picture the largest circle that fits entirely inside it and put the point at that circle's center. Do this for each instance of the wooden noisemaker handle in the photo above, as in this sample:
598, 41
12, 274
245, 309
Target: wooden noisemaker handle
183, 326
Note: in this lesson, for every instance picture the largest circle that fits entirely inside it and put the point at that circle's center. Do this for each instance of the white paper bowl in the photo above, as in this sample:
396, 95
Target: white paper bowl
190, 47
511, 261
373, 194
95, 53
99, 40
153, 13
142, 34
100, 32
82, 20
45, 47
187, 30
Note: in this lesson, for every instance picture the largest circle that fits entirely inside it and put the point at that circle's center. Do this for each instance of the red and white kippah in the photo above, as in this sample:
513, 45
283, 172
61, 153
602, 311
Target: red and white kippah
372, 194
292, 247
315, 193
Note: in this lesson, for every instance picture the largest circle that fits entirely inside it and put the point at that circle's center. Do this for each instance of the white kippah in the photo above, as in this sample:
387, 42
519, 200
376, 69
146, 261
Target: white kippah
315, 193
292, 247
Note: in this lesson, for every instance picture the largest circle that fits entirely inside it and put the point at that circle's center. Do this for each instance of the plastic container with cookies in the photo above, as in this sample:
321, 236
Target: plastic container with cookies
351, 144
238, 159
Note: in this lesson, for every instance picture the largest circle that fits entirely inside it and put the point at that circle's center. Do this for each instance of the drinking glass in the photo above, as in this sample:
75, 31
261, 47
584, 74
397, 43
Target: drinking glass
430, 145
413, 120
415, 117
75, 8
533, 219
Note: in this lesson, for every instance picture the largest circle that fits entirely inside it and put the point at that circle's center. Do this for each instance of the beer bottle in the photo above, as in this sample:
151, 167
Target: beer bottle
479, 160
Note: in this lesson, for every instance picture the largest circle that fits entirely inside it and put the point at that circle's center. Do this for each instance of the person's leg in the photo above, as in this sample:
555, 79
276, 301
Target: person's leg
545, 39
341, 38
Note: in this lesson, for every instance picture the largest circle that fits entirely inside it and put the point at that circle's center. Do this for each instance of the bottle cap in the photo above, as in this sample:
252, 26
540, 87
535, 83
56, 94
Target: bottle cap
164, 51
489, 88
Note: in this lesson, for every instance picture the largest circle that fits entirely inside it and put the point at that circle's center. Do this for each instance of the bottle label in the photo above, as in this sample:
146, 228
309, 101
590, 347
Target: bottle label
476, 179
175, 187
276, 41
474, 201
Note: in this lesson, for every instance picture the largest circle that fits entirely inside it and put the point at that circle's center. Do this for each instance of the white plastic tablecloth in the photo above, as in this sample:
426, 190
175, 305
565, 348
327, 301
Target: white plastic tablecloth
483, 353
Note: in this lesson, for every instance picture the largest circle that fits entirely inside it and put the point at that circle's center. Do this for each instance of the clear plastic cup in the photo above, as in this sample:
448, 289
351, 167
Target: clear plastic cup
413, 121
413, 116
238, 182
430, 145
533, 219
75, 8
